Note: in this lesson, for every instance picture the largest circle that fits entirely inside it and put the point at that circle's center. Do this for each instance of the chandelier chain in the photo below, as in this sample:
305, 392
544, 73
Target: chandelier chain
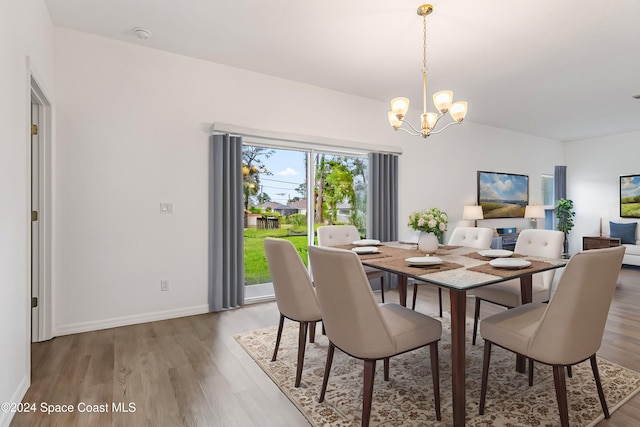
424, 43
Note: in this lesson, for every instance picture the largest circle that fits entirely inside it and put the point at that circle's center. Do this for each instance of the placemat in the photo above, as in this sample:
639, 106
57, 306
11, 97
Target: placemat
476, 255
401, 265
506, 272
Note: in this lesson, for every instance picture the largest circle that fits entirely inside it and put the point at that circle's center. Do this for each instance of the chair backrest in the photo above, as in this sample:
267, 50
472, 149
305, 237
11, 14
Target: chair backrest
335, 235
572, 326
350, 312
542, 243
475, 237
292, 285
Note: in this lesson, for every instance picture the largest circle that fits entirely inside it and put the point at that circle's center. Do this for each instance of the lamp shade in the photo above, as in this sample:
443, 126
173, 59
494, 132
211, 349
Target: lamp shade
534, 211
472, 212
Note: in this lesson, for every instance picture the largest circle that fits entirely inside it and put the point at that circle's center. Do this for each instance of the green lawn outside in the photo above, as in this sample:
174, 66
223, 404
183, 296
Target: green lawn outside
256, 269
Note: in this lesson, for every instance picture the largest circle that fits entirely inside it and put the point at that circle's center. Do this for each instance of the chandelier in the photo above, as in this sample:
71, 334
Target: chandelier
442, 100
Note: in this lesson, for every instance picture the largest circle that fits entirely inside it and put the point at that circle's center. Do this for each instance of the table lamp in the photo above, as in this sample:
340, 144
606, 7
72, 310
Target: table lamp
472, 213
534, 212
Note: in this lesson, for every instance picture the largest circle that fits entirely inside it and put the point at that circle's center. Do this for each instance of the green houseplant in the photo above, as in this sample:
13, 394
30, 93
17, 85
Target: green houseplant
565, 214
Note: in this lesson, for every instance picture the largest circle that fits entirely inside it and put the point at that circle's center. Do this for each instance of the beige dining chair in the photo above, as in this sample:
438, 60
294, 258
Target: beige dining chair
295, 295
339, 235
532, 242
356, 324
474, 237
565, 332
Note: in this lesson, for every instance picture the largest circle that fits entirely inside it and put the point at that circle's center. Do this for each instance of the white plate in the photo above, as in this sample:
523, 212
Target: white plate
423, 260
365, 250
366, 242
496, 253
510, 263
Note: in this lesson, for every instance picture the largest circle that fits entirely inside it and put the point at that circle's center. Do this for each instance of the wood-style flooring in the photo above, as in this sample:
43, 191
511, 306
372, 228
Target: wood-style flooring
191, 372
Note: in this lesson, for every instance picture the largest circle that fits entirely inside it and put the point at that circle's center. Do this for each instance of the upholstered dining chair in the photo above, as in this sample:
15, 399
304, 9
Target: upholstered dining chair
532, 242
295, 295
474, 237
564, 332
356, 324
338, 235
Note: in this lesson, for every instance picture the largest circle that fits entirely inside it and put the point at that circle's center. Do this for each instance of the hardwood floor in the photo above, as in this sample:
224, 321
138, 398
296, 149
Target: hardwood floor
191, 372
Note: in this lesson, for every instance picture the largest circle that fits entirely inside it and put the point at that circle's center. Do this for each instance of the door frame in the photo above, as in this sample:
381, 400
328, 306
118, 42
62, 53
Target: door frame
38, 97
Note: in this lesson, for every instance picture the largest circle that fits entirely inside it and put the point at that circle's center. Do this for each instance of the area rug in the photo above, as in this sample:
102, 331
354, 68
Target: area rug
407, 399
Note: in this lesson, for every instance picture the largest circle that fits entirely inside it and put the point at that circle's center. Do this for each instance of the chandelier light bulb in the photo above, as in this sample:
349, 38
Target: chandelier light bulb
458, 111
399, 107
443, 100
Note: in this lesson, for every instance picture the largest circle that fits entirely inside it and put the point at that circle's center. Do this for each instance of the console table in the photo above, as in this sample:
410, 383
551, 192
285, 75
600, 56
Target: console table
599, 242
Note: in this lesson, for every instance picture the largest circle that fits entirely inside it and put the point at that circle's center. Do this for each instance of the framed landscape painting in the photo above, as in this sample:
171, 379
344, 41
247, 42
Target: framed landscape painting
630, 196
503, 195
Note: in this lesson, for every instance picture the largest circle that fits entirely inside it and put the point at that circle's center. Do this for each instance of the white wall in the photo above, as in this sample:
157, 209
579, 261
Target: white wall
133, 131
25, 30
594, 168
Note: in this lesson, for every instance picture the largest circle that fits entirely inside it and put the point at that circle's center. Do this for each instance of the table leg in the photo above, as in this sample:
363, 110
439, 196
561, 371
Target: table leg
458, 316
402, 289
526, 293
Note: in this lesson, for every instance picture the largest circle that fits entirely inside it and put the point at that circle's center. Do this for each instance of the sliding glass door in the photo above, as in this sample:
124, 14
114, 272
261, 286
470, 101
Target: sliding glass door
279, 202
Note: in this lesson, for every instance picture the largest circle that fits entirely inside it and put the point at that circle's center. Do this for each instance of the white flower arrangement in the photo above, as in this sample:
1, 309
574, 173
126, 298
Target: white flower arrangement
431, 221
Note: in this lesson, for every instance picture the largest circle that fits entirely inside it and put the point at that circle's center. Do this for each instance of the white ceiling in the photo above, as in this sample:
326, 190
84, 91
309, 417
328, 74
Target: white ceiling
563, 69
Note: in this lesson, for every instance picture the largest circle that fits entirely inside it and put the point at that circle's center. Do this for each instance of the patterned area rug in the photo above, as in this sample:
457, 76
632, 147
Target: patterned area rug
407, 399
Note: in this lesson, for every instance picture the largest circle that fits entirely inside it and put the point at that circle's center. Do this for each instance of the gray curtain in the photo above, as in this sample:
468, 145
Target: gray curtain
382, 202
560, 182
226, 223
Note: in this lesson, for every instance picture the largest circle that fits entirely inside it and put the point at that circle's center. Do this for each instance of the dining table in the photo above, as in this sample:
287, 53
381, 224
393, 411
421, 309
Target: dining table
458, 269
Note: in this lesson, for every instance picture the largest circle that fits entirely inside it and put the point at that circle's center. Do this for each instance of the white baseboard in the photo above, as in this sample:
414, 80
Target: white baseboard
7, 416
115, 322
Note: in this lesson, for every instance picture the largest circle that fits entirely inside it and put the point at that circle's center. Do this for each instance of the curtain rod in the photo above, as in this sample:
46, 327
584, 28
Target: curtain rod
306, 140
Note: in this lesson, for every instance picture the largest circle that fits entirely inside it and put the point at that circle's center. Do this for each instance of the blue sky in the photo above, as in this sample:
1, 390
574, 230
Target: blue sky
288, 171
499, 186
630, 186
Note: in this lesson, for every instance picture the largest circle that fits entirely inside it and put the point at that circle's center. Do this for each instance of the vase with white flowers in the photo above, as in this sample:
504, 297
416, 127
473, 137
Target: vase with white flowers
432, 223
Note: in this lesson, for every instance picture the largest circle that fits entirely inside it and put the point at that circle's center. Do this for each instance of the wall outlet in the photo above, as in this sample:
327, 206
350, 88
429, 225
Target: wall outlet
166, 208
164, 285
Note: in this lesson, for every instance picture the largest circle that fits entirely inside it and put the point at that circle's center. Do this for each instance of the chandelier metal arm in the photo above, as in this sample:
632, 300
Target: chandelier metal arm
448, 124
417, 131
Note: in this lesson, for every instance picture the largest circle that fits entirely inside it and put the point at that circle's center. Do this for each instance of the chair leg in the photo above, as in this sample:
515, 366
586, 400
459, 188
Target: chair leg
569, 372
302, 343
561, 394
278, 336
440, 300
485, 375
312, 332
415, 295
435, 373
386, 369
476, 316
367, 390
530, 372
596, 376
382, 288
327, 370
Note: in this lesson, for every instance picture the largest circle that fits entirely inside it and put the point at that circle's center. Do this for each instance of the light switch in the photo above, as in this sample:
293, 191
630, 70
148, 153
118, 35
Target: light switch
166, 207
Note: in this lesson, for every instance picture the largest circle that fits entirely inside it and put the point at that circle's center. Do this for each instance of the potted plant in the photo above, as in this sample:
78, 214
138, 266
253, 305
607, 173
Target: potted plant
565, 214
431, 223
